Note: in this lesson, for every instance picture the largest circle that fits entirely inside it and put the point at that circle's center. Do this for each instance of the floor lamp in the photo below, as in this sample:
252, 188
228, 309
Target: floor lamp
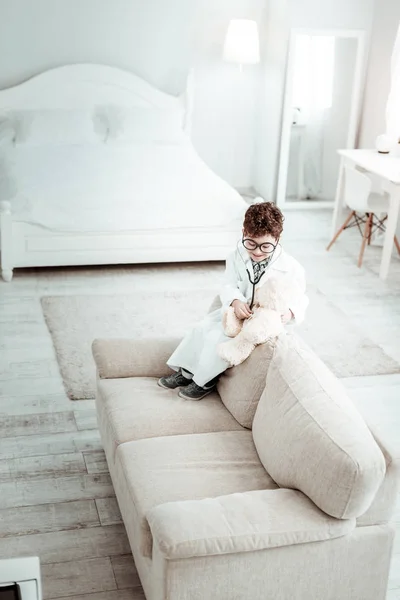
242, 44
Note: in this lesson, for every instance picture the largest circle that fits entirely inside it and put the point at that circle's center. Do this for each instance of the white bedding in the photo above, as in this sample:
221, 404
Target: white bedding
119, 186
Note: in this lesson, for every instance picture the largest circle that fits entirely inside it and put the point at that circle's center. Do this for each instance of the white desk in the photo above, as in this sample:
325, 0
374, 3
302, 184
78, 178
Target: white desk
388, 169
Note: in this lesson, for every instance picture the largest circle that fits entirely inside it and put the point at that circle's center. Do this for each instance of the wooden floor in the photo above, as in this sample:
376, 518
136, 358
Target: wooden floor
56, 496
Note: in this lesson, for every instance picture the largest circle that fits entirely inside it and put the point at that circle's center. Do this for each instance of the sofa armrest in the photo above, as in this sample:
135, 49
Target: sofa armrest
244, 522
117, 358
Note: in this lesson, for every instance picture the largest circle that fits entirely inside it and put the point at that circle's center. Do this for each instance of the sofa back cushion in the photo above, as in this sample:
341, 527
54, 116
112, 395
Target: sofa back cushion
310, 436
240, 387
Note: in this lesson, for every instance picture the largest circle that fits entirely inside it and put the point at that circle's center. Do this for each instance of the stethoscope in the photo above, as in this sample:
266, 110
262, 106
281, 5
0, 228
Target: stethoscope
256, 281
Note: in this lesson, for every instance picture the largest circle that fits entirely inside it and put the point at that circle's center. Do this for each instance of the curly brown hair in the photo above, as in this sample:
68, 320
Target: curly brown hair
262, 219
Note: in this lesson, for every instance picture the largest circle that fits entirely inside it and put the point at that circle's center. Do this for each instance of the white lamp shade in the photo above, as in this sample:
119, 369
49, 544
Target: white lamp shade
242, 44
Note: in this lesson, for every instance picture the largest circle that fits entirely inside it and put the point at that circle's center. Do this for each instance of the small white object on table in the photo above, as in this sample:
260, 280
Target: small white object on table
387, 167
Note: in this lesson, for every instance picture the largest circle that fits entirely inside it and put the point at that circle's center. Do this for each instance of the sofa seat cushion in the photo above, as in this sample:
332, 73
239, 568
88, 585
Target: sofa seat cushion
248, 522
310, 436
136, 408
188, 467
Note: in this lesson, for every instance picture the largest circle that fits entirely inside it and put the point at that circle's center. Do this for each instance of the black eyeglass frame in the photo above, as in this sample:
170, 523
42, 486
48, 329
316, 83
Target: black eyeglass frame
256, 246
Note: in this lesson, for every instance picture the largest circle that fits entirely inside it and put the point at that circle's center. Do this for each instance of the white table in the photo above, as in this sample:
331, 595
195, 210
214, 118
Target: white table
387, 167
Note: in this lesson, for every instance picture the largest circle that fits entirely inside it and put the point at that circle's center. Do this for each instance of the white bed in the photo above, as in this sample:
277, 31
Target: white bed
111, 200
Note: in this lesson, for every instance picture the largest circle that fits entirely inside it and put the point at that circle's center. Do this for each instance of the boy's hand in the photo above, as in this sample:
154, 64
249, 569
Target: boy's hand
242, 310
287, 317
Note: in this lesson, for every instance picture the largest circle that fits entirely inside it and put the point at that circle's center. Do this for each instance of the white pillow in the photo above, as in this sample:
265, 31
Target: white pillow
54, 126
145, 125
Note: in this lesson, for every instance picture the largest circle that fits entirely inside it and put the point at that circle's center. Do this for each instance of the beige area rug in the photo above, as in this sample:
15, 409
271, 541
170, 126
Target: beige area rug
74, 321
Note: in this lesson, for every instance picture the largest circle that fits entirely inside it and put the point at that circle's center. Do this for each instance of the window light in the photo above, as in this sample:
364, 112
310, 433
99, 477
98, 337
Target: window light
313, 71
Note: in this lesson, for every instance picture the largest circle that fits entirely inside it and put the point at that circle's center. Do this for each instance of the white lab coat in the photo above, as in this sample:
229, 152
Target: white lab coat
197, 352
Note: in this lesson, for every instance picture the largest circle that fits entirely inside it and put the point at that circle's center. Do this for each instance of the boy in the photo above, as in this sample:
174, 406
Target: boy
258, 257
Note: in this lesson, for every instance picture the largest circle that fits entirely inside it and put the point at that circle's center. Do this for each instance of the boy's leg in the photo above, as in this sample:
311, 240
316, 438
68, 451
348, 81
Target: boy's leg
198, 353
186, 355
180, 379
187, 374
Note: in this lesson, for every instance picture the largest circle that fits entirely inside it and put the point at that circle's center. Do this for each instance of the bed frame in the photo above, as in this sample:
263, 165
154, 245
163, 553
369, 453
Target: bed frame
26, 245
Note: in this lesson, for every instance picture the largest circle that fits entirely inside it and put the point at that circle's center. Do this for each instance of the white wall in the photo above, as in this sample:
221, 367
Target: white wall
337, 125
158, 40
283, 14
385, 25
271, 98
151, 37
226, 111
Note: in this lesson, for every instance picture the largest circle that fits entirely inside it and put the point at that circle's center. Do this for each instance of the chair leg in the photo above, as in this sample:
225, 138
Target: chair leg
370, 230
396, 243
343, 227
367, 233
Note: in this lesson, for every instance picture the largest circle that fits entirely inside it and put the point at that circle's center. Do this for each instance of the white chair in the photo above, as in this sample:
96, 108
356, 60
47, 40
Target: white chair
365, 205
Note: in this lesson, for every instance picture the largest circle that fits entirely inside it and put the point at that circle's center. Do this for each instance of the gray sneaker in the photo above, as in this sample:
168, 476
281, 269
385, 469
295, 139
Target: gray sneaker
195, 392
173, 381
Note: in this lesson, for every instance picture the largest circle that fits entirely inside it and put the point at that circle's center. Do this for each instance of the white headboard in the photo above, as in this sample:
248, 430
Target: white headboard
89, 85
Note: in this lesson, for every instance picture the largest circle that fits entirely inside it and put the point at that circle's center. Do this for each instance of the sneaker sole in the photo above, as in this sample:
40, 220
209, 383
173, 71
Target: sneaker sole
166, 387
182, 395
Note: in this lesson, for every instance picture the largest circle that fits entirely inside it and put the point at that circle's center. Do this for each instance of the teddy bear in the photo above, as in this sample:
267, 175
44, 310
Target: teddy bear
272, 300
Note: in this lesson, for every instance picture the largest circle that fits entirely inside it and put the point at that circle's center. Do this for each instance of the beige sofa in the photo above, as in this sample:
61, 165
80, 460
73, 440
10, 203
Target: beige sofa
298, 507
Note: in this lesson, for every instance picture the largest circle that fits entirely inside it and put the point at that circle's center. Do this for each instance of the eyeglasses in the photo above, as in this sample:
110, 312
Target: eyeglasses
266, 248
